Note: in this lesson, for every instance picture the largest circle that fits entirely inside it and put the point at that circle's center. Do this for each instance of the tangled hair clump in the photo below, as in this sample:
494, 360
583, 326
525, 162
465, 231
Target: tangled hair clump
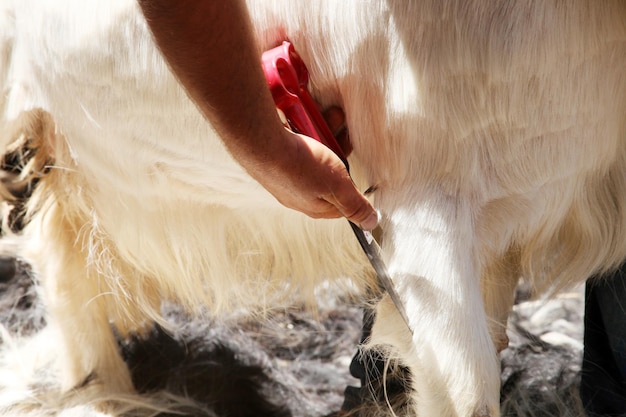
27, 158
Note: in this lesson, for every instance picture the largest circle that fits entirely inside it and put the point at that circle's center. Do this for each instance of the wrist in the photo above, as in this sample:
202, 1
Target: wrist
271, 152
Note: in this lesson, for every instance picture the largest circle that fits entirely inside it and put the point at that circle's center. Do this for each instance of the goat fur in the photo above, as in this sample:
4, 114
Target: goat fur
494, 131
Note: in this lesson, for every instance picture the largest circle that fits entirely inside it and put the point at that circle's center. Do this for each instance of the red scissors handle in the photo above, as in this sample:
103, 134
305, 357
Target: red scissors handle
288, 78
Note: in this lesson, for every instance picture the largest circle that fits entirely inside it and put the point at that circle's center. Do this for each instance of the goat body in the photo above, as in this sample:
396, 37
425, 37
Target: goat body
495, 133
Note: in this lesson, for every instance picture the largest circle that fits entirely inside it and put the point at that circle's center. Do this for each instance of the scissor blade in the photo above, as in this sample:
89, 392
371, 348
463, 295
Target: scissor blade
374, 254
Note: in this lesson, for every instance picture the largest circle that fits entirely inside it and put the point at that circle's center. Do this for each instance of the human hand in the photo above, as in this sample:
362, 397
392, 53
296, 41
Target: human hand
307, 176
300, 172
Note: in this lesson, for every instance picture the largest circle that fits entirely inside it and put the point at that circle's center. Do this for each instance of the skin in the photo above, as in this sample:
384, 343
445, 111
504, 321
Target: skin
205, 44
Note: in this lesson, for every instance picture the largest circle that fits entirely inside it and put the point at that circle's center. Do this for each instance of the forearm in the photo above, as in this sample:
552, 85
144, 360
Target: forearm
210, 47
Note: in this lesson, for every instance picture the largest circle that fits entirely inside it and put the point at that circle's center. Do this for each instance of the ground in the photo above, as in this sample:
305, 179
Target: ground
295, 362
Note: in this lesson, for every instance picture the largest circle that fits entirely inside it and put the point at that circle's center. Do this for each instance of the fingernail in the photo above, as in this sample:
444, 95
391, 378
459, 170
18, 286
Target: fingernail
371, 222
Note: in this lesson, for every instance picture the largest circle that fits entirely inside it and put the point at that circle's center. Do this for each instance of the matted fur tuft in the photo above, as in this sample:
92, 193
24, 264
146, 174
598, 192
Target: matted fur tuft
34, 390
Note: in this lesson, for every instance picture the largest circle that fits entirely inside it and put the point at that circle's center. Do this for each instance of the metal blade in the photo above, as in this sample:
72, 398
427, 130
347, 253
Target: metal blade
374, 254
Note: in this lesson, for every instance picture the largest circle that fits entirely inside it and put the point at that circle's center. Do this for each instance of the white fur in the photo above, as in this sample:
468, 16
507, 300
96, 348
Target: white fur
496, 132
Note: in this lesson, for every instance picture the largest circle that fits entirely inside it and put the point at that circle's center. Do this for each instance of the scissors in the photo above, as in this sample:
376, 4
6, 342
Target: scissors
288, 78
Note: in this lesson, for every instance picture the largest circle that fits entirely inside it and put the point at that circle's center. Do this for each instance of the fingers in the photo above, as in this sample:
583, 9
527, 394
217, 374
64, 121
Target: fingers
308, 177
344, 197
336, 120
350, 202
356, 208
325, 210
352, 206
366, 217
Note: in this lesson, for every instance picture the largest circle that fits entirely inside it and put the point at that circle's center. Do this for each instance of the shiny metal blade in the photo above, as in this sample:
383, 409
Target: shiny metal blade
374, 254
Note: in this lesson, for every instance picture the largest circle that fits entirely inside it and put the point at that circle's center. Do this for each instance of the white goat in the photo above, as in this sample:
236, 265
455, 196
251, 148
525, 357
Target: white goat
495, 132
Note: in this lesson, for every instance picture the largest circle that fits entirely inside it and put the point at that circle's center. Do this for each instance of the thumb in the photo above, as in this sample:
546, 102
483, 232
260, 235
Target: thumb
356, 208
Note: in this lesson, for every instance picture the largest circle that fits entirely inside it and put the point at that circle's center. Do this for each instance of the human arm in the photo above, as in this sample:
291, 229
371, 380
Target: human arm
210, 47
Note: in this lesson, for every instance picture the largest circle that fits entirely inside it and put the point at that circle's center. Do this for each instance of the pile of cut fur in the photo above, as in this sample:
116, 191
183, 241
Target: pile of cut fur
293, 363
